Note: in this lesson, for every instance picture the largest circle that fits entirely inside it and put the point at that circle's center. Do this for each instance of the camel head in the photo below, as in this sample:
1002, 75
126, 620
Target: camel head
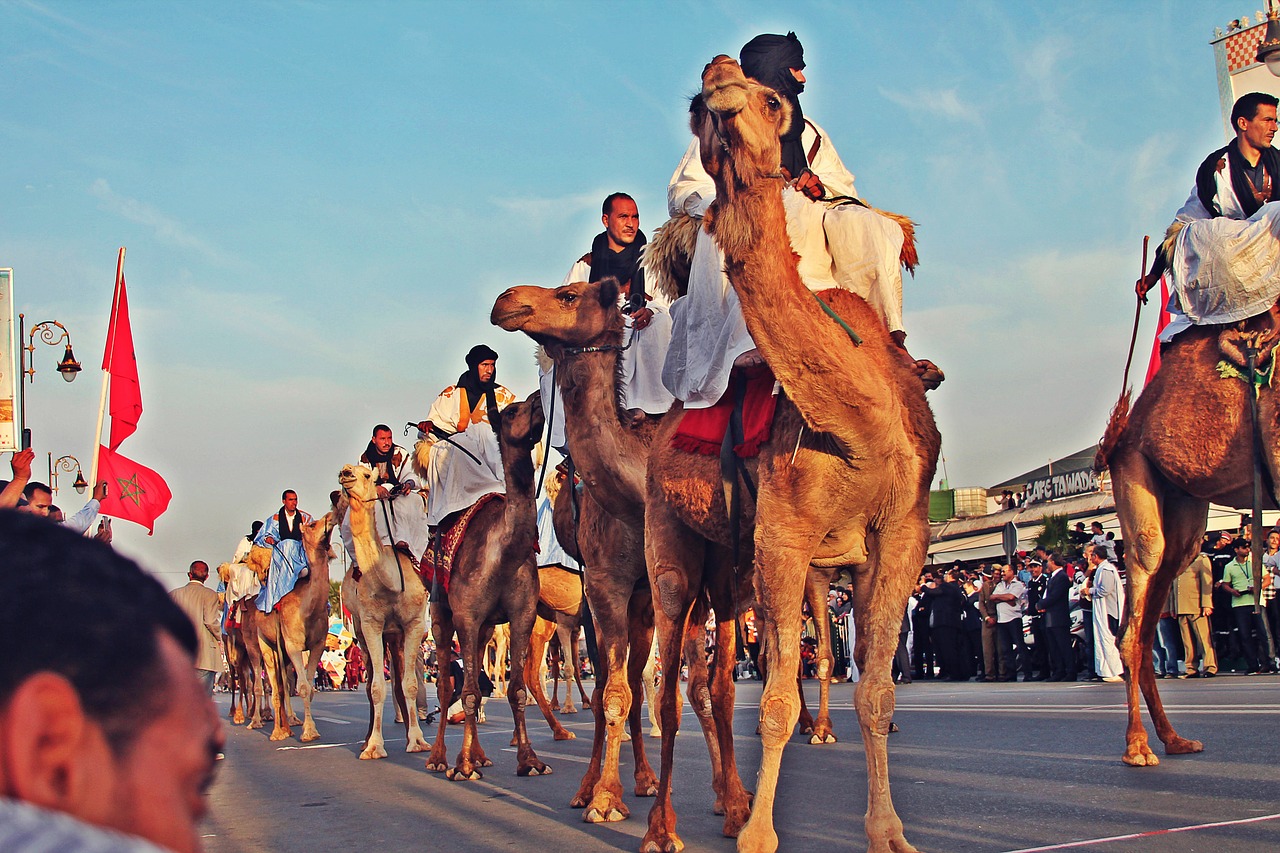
224, 573
522, 424
738, 123
315, 538
577, 315
358, 483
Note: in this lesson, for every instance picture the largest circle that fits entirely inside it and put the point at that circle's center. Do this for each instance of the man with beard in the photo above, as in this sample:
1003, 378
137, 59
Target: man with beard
615, 252
282, 533
401, 514
840, 241
461, 438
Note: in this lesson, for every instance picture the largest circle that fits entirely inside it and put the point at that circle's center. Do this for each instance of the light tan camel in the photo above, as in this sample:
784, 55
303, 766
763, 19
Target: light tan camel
497, 659
494, 579
1187, 442
389, 613
849, 489
580, 327
559, 608
295, 630
244, 661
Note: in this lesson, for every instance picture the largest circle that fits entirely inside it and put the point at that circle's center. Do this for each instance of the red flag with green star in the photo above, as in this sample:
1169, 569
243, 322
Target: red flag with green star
134, 492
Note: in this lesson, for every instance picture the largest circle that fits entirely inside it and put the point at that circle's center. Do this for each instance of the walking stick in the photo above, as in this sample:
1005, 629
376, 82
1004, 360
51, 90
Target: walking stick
1133, 338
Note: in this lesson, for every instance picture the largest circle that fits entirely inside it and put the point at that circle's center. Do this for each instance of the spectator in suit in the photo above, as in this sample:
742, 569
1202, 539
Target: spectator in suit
945, 616
993, 658
1055, 609
201, 606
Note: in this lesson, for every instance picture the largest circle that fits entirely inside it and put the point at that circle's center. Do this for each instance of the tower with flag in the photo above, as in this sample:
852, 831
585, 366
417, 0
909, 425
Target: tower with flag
134, 492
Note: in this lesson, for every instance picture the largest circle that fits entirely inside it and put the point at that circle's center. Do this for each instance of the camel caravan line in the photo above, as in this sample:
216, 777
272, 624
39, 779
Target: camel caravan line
837, 481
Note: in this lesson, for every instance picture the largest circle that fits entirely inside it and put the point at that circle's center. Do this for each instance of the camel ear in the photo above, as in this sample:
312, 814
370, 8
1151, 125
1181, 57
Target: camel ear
608, 292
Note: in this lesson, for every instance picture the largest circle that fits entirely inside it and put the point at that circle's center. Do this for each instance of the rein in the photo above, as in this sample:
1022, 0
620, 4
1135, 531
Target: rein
599, 348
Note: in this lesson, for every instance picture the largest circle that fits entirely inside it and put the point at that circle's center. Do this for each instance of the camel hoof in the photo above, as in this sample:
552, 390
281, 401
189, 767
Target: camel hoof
648, 788
579, 801
672, 844
281, 734
538, 769
1183, 746
373, 752
308, 737
569, 709
484, 762
818, 740
436, 767
806, 730
420, 746
237, 719
1145, 758
626, 737
255, 724
453, 774
612, 815
294, 721
565, 735
657, 732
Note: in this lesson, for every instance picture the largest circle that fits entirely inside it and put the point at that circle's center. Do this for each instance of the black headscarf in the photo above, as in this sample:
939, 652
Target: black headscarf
769, 60
470, 381
374, 457
621, 265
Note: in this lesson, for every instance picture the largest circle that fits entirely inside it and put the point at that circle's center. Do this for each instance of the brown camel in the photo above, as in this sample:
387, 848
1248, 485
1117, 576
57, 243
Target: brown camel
240, 644
842, 481
494, 579
294, 632
389, 614
1168, 462
580, 327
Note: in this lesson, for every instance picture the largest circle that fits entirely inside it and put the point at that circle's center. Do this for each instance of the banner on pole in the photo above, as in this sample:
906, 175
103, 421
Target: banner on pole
9, 378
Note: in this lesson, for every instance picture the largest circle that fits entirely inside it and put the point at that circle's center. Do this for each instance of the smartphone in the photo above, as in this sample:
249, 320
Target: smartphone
26, 439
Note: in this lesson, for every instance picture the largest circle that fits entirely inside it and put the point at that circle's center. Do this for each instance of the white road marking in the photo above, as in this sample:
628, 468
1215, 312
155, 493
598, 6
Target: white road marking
333, 720
316, 746
1089, 843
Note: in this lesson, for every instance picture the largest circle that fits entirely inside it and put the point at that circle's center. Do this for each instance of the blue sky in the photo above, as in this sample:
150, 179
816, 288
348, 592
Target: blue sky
322, 200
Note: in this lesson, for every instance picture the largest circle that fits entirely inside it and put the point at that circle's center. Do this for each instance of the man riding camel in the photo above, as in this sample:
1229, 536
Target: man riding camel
840, 242
464, 462
401, 515
282, 533
1223, 258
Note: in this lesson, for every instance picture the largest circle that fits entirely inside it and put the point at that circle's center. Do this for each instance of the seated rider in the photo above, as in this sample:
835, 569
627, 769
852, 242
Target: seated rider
282, 533
1223, 258
840, 242
459, 435
401, 515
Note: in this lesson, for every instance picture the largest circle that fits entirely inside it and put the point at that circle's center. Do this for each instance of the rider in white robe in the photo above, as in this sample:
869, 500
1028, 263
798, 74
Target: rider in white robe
400, 515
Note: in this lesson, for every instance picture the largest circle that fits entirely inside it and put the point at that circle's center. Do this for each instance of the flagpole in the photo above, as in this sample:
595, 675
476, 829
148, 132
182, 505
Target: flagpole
106, 373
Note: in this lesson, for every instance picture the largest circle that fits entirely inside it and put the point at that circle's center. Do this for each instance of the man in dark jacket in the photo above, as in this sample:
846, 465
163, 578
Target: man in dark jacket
945, 615
1055, 606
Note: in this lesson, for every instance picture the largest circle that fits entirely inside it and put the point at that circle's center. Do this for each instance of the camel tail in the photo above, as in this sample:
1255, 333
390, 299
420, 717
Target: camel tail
909, 257
1116, 425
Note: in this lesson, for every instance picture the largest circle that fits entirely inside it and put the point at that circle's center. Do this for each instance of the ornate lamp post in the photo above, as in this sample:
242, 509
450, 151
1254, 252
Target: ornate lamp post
52, 333
68, 464
1269, 49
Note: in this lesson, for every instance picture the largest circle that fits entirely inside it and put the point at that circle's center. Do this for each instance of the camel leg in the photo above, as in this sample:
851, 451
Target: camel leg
881, 591
527, 761
279, 690
566, 664
640, 636
1164, 528
817, 585
782, 562
295, 646
698, 689
542, 630
593, 775
553, 671
410, 644
374, 653
651, 689
576, 658
443, 631
467, 767
735, 799
675, 559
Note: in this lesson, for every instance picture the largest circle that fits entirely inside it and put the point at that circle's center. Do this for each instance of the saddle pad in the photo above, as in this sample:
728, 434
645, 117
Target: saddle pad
702, 430
438, 558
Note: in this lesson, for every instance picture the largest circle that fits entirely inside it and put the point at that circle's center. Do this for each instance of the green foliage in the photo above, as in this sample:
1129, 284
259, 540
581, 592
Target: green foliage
335, 598
1055, 535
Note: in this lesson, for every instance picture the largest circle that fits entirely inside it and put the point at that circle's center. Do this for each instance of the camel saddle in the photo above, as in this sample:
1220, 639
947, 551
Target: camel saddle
702, 430
437, 561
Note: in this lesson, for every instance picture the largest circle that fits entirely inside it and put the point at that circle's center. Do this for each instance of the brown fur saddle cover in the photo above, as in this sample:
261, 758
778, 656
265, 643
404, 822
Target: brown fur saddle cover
438, 559
702, 430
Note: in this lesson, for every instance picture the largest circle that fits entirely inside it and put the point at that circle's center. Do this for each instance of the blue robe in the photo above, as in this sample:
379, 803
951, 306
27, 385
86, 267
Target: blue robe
288, 559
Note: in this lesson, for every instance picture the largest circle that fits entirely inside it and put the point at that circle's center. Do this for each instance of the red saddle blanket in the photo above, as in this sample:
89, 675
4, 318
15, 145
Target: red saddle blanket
702, 430
438, 561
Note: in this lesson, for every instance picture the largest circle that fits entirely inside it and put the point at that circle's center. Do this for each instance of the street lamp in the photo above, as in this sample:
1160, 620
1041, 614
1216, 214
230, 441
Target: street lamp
52, 333
1269, 49
66, 463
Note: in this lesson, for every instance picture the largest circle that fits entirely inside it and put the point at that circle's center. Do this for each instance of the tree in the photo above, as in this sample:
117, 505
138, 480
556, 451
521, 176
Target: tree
1055, 535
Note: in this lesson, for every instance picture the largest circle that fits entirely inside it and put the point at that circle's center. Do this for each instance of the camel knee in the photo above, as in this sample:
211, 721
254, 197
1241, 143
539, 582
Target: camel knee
875, 704
672, 591
700, 699
778, 715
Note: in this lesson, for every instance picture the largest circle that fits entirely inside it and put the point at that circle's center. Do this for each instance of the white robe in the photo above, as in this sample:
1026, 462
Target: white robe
1108, 600
550, 551
839, 245
1224, 268
406, 515
454, 480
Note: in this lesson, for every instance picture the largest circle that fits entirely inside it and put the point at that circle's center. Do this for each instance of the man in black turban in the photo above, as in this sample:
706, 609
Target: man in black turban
778, 62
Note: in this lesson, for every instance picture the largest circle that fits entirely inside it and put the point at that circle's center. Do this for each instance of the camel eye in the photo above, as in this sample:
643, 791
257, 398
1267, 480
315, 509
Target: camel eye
568, 298
774, 103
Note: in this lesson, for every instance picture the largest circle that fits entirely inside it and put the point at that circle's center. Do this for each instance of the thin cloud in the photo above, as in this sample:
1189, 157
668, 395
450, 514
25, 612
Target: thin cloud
937, 102
167, 229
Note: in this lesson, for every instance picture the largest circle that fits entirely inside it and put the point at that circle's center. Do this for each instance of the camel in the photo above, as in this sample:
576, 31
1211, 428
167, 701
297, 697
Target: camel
496, 657
388, 607
294, 632
580, 327
842, 481
1168, 462
494, 579
559, 618
240, 645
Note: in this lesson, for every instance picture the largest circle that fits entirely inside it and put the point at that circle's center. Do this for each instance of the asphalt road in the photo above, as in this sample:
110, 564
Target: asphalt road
976, 768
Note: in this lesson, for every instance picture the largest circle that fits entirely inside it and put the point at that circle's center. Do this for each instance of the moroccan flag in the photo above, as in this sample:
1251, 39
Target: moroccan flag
134, 492
1154, 364
125, 402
